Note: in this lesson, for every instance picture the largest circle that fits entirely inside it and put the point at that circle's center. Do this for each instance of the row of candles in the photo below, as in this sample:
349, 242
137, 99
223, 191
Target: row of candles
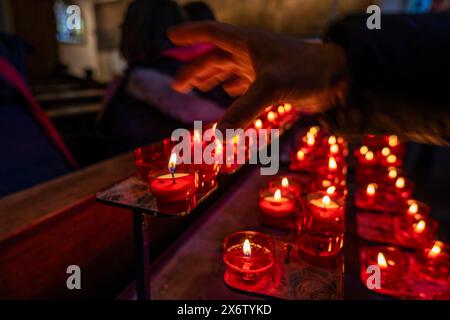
318, 206
319, 209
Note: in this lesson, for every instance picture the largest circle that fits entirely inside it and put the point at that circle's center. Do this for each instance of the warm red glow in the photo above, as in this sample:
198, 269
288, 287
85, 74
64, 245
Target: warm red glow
258, 124
277, 195
391, 158
392, 173
331, 190
287, 107
400, 183
280, 110
385, 151
334, 148
419, 226
393, 141
332, 140
172, 162
371, 189
413, 208
436, 250
284, 182
300, 155
332, 165
271, 116
369, 156
363, 150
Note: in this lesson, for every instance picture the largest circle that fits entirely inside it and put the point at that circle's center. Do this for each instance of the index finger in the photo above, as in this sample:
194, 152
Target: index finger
221, 35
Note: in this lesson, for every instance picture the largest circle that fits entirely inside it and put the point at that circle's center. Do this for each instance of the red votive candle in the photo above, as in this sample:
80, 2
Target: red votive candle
248, 255
393, 264
403, 187
435, 259
413, 207
168, 185
276, 204
321, 227
287, 185
415, 230
389, 159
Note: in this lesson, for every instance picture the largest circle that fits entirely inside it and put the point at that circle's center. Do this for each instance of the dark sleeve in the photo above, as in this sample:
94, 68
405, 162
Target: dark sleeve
400, 77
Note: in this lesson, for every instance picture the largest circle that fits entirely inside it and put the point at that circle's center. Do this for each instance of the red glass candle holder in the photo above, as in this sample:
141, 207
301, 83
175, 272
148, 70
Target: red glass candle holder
287, 184
150, 157
177, 188
412, 207
248, 256
320, 230
435, 260
393, 263
402, 187
415, 230
276, 204
207, 175
374, 197
390, 160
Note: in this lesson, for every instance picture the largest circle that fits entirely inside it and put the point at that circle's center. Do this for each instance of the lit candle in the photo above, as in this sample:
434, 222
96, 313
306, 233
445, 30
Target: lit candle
271, 116
287, 185
321, 227
435, 259
403, 187
258, 124
248, 256
414, 207
414, 230
287, 107
277, 204
173, 186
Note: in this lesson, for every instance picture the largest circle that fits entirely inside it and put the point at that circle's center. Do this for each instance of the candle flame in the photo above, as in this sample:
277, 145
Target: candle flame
285, 182
258, 124
391, 158
172, 162
326, 200
332, 140
371, 189
271, 116
392, 173
393, 141
332, 165
334, 148
300, 155
287, 107
413, 208
340, 140
363, 150
326, 183
314, 130
419, 226
214, 126
277, 195
381, 260
369, 156
331, 190
436, 249
385, 151
280, 109
310, 140
400, 183
246, 248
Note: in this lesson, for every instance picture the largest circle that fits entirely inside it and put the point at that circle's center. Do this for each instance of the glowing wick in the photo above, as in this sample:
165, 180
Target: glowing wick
363, 150
400, 183
419, 226
332, 140
331, 190
371, 189
246, 248
172, 165
393, 141
436, 250
413, 208
392, 173
391, 158
381, 260
369, 156
258, 124
332, 165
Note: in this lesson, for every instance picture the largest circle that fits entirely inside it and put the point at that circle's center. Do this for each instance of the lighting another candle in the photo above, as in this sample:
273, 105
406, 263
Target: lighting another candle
173, 186
248, 256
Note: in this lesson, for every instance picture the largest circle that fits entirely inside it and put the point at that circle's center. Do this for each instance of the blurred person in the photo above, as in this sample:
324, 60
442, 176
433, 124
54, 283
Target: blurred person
388, 81
142, 107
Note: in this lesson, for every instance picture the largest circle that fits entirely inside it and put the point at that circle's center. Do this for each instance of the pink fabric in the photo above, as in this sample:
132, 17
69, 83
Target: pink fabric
11, 75
186, 54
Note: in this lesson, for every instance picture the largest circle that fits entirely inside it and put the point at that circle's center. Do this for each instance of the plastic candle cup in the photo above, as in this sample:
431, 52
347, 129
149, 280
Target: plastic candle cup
248, 255
415, 230
276, 204
435, 258
320, 230
167, 185
287, 185
393, 263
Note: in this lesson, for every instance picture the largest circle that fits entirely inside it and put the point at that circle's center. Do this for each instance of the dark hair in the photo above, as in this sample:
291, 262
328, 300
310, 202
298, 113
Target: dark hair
144, 29
198, 10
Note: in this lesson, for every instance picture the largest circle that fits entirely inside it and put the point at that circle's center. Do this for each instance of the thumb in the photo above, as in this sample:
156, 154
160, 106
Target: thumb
246, 108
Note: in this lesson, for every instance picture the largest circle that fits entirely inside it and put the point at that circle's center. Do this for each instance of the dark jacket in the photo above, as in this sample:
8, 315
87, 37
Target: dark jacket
399, 77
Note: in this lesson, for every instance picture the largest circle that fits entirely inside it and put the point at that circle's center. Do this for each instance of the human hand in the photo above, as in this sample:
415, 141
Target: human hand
263, 68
